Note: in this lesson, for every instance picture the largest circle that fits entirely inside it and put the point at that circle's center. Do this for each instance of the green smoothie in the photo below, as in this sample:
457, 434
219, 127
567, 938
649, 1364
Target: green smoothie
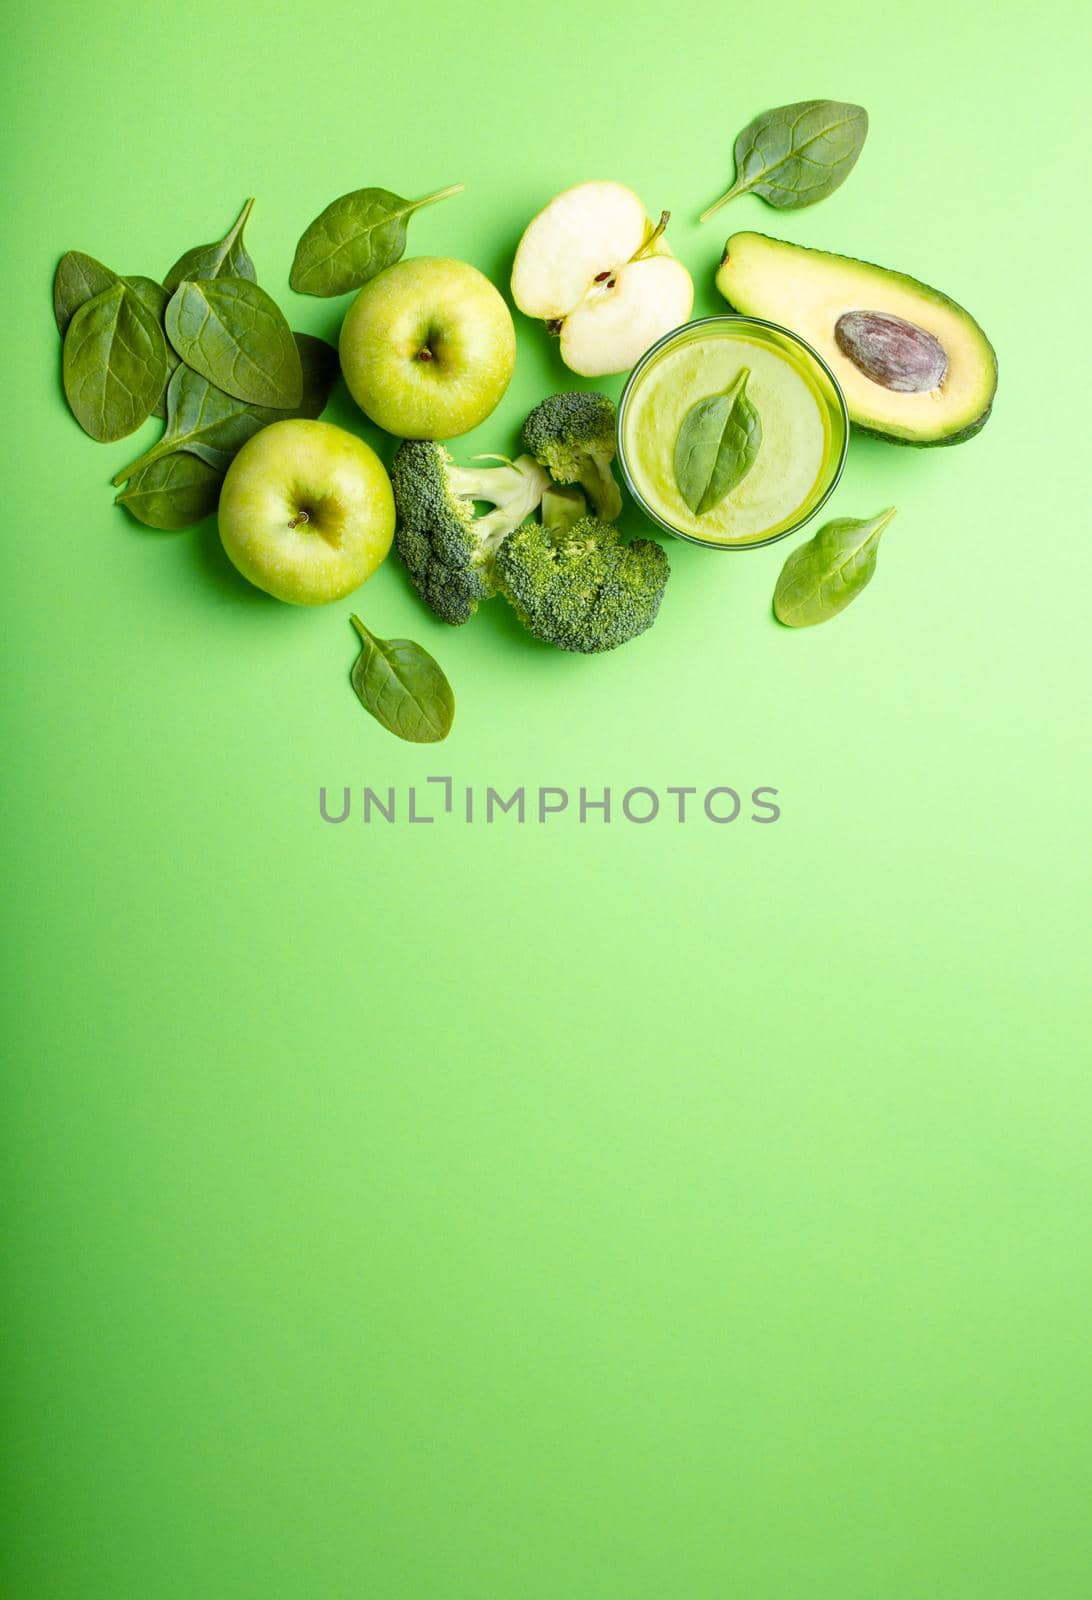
803, 434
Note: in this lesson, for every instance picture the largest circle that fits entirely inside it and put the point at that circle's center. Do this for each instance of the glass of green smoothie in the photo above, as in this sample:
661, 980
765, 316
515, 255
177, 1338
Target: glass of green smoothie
804, 429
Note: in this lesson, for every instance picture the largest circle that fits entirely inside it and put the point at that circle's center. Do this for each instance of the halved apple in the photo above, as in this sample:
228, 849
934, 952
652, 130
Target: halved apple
602, 276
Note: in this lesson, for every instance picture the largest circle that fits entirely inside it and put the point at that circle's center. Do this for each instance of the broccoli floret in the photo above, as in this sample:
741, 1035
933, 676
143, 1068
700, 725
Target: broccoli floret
573, 435
449, 551
582, 588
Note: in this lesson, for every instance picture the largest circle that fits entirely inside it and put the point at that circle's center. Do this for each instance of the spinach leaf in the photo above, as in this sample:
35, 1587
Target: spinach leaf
236, 336
354, 239
319, 363
824, 575
717, 445
203, 420
155, 297
797, 154
153, 294
114, 361
173, 492
78, 278
206, 422
403, 687
227, 258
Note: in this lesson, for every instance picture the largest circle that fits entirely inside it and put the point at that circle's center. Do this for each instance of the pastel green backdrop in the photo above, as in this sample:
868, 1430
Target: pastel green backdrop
606, 1211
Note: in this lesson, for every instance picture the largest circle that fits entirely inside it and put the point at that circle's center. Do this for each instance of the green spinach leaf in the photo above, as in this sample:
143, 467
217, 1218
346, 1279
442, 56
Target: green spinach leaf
155, 297
173, 492
319, 364
718, 442
232, 333
153, 294
824, 575
797, 154
403, 687
114, 361
203, 420
78, 278
206, 422
227, 258
354, 239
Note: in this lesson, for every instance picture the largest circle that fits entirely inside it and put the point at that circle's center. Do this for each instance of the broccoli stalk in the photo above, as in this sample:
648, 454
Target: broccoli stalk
514, 489
562, 505
578, 586
448, 550
573, 436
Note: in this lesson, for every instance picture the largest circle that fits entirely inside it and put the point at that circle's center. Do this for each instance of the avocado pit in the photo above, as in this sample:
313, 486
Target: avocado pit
894, 353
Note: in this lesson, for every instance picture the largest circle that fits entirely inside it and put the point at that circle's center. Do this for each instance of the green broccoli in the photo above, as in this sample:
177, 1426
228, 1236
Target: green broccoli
561, 507
573, 435
449, 551
579, 587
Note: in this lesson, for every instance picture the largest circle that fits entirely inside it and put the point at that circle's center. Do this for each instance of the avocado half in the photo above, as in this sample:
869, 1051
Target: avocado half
915, 367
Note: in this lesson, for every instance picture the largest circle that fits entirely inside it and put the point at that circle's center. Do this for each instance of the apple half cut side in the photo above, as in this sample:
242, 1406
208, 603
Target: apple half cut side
601, 275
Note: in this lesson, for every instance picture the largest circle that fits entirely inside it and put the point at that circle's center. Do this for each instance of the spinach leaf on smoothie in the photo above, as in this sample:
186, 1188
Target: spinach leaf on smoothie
717, 445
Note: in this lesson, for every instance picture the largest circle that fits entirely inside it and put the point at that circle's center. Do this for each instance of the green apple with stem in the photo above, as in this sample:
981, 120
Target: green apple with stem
306, 511
427, 348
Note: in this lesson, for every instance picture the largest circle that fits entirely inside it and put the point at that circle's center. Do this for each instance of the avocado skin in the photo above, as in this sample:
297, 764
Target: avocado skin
929, 293
931, 444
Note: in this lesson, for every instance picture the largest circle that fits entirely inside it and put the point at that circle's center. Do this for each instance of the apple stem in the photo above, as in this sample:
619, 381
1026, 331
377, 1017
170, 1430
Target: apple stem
653, 236
298, 520
441, 194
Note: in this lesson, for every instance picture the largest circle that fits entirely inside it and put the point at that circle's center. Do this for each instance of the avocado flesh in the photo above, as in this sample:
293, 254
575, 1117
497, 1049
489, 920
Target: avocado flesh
809, 290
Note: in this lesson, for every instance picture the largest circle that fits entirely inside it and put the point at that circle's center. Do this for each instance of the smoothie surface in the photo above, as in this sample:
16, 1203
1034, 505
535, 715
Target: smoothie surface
795, 435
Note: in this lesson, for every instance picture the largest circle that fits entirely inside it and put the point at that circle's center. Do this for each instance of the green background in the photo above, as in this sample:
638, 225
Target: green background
605, 1211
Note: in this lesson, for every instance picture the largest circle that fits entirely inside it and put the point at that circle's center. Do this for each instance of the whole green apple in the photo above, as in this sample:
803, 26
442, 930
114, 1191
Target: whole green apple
306, 511
427, 348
